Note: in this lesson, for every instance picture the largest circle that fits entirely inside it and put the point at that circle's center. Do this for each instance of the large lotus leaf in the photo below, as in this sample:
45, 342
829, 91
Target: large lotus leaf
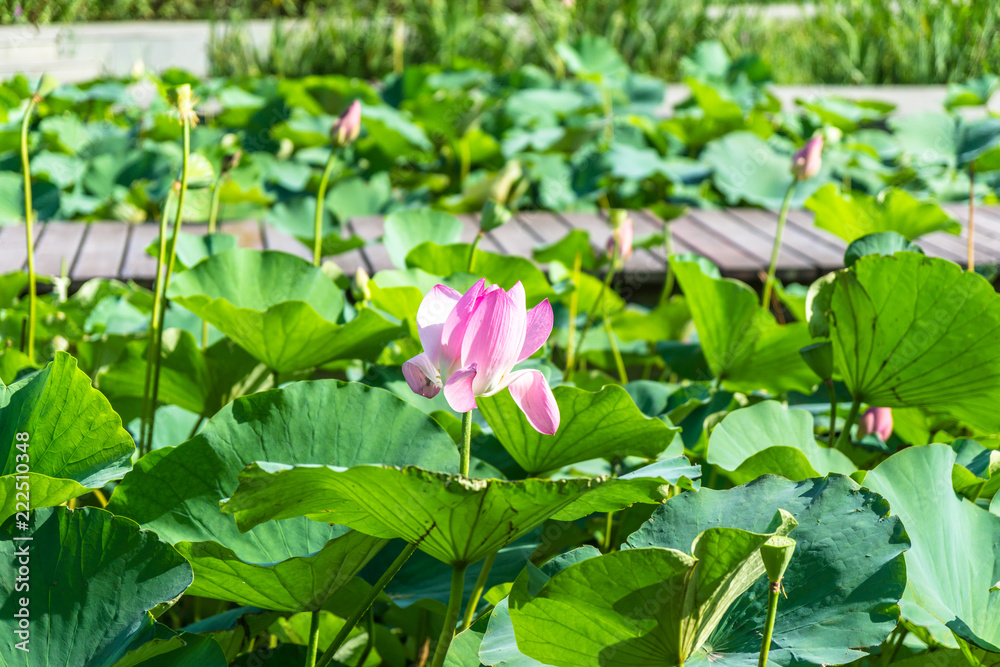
914, 331
200, 381
405, 230
294, 584
843, 583
176, 490
953, 566
456, 519
639, 606
280, 308
502, 270
499, 645
743, 343
853, 215
650, 485
75, 440
93, 576
768, 438
879, 243
604, 424
762, 175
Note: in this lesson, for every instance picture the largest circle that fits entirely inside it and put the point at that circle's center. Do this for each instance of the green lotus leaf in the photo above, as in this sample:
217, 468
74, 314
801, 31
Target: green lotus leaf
280, 308
975, 473
768, 438
499, 645
853, 215
642, 605
743, 343
233, 629
914, 331
405, 230
878, 243
176, 490
75, 440
952, 566
455, 519
94, 577
294, 584
501, 270
650, 485
200, 381
604, 424
193, 248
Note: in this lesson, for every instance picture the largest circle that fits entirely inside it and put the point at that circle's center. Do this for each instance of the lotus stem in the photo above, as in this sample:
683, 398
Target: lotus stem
154, 324
776, 250
591, 316
29, 232
668, 250
313, 639
615, 352
833, 410
772, 611
477, 591
466, 451
366, 604
972, 221
451, 615
318, 221
852, 417
370, 642
472, 251
171, 259
608, 524
574, 308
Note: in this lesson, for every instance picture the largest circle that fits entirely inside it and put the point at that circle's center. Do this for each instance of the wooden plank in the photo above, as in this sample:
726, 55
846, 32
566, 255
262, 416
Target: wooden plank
373, 255
544, 226
14, 248
795, 242
514, 238
247, 233
60, 243
748, 239
470, 227
276, 239
647, 222
987, 234
729, 257
102, 251
803, 221
137, 264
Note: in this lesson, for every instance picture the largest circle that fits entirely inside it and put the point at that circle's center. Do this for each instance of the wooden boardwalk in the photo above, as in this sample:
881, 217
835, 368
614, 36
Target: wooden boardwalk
737, 240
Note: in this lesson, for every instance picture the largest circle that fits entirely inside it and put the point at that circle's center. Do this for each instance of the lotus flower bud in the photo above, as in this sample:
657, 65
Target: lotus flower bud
46, 85
361, 279
622, 235
877, 421
806, 162
347, 128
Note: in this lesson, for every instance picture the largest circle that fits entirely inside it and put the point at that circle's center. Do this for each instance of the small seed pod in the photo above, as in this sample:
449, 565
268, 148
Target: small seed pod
777, 554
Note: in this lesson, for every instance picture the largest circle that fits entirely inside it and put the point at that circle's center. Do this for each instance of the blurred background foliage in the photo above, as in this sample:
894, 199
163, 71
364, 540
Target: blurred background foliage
825, 41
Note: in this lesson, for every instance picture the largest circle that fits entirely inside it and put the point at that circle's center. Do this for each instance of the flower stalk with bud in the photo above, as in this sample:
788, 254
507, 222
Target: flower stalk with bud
806, 164
344, 132
45, 86
186, 102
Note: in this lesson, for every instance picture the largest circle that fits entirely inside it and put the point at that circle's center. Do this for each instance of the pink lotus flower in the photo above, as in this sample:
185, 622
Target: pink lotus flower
347, 128
807, 161
472, 342
877, 421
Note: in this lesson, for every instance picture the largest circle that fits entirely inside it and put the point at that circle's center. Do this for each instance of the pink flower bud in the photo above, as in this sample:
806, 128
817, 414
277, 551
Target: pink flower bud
806, 162
621, 238
877, 421
347, 128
